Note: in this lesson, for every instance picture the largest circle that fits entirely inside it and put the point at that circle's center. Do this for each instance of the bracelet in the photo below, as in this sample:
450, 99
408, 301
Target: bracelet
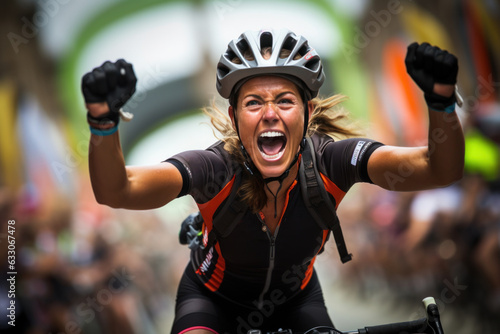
105, 132
440, 103
449, 109
106, 119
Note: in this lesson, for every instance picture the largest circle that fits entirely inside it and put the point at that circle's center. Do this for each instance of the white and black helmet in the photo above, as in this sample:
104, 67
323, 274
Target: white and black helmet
301, 62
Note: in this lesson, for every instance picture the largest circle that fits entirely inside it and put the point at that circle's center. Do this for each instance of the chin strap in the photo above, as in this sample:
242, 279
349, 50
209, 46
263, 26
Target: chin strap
248, 161
283, 176
280, 179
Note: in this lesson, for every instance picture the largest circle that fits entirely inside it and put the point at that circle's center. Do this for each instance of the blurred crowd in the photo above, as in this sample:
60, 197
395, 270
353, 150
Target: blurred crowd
443, 243
89, 269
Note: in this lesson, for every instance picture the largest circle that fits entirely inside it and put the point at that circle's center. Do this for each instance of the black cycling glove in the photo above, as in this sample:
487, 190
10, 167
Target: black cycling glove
190, 232
113, 83
427, 65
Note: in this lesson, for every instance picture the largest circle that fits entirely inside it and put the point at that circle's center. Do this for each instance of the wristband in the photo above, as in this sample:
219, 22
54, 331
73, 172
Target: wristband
440, 103
106, 132
108, 118
449, 109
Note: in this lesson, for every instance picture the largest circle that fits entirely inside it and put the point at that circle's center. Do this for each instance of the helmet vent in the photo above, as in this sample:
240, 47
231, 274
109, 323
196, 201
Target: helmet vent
313, 64
288, 45
304, 50
244, 48
232, 57
222, 71
266, 40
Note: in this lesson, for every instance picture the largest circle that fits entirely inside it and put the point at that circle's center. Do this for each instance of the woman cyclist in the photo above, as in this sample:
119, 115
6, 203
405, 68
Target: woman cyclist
261, 273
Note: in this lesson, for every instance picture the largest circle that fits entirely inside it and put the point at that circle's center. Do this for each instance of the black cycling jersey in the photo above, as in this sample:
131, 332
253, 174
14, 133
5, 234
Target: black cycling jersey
251, 265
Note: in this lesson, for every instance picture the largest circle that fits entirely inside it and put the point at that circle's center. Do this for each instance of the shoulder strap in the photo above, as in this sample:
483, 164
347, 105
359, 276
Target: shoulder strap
317, 200
228, 214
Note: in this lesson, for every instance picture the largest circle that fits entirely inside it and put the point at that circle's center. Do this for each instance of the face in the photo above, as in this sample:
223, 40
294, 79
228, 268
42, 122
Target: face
270, 118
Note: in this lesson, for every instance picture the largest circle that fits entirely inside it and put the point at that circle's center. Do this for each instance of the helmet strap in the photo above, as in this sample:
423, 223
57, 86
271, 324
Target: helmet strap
306, 97
247, 160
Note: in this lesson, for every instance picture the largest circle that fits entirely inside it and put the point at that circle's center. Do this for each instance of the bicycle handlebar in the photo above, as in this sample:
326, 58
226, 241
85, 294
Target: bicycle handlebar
415, 326
433, 316
429, 325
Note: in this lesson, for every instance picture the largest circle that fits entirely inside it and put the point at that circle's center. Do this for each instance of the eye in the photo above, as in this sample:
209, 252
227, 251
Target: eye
253, 105
285, 101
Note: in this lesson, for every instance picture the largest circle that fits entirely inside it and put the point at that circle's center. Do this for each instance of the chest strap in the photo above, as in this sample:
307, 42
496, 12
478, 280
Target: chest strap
227, 216
317, 200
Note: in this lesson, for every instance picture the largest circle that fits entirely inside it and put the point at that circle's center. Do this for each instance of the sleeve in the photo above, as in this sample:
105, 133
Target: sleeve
346, 161
204, 173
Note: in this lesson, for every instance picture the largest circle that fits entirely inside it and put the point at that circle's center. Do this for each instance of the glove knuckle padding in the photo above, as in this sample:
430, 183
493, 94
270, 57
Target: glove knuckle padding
419, 55
111, 75
440, 68
99, 86
130, 78
410, 58
439, 56
429, 59
449, 66
87, 84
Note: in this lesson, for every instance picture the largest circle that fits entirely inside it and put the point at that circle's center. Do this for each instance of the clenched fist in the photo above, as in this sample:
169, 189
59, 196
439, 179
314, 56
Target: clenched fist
110, 83
429, 65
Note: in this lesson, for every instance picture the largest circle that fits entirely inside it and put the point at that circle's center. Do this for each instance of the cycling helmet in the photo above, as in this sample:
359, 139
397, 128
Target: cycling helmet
243, 60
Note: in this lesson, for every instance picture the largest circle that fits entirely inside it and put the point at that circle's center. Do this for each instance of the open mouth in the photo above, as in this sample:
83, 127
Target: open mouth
271, 144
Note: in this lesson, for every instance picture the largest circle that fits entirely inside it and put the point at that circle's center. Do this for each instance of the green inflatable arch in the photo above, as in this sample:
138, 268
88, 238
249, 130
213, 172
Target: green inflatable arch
149, 117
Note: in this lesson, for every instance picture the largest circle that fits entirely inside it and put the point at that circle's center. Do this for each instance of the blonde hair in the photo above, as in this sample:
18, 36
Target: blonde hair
327, 118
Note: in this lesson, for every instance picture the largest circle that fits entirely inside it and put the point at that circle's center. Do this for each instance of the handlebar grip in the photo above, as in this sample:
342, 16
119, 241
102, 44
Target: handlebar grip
428, 301
433, 315
415, 326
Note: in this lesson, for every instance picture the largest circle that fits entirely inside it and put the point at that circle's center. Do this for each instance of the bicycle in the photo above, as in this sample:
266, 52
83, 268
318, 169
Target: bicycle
429, 325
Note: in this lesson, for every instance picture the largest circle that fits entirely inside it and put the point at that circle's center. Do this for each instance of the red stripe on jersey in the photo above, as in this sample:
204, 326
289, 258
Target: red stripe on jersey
207, 211
332, 188
218, 274
309, 270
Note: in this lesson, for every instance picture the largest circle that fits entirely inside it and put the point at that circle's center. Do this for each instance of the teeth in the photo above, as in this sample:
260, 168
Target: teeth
274, 156
271, 134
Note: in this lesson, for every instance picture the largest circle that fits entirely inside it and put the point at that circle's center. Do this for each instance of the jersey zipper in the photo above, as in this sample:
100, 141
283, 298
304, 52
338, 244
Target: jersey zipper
272, 246
272, 252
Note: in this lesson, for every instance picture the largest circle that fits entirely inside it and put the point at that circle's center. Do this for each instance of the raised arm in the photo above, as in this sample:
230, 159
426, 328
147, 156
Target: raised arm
106, 89
441, 162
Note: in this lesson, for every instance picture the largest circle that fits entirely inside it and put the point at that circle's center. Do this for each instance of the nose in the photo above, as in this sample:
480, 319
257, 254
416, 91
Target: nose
270, 111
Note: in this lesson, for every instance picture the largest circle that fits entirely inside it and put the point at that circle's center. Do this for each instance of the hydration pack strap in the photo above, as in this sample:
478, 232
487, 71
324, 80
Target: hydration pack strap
317, 199
227, 216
